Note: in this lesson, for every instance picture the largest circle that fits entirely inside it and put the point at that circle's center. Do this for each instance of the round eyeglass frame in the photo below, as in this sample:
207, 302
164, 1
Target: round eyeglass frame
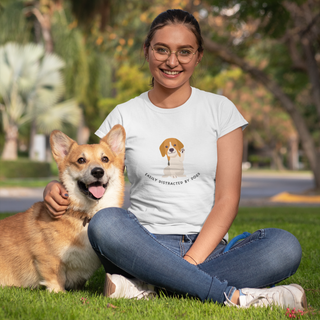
170, 52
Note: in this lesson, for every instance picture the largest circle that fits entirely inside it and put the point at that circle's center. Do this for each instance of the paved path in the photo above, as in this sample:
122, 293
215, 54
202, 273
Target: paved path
257, 189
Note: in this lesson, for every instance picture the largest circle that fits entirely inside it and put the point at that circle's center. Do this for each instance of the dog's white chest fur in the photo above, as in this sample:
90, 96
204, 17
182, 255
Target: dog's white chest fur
80, 260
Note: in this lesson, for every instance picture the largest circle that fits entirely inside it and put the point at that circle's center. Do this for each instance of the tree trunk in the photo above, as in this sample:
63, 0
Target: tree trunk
33, 131
276, 160
105, 14
48, 149
289, 106
45, 23
293, 156
312, 72
10, 150
44, 20
83, 132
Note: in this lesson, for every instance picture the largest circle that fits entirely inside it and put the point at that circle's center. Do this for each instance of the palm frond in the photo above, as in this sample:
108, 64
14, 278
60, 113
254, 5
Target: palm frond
66, 112
14, 112
20, 64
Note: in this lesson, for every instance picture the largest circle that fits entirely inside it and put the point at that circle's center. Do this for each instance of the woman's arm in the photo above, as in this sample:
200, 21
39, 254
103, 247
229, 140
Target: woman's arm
227, 195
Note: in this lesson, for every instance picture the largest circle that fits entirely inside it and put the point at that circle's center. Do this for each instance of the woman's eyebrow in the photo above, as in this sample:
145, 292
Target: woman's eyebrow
165, 45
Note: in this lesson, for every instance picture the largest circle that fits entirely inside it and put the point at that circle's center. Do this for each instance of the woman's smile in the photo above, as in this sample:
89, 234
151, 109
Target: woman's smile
170, 73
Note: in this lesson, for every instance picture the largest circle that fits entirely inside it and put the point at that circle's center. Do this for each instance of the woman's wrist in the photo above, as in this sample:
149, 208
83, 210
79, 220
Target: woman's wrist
190, 259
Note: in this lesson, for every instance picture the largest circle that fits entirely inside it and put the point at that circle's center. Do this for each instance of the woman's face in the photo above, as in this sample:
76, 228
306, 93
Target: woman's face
171, 73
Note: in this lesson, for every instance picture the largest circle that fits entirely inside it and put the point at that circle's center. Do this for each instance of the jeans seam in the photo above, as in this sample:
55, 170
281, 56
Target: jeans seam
229, 251
181, 248
261, 236
149, 234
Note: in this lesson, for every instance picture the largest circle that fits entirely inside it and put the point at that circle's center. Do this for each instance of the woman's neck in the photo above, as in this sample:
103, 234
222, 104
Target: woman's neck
169, 98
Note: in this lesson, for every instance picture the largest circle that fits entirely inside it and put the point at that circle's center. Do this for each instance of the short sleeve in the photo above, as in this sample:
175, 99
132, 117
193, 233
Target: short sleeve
229, 118
111, 120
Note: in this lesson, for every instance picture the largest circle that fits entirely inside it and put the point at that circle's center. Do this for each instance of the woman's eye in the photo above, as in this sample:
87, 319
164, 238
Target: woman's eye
185, 52
81, 160
161, 50
105, 159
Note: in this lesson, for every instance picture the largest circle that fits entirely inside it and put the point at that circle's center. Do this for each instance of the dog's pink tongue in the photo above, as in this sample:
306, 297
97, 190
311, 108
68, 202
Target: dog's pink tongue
97, 191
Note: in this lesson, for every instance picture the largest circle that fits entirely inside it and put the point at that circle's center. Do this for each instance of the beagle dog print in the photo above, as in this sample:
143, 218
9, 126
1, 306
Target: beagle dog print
174, 150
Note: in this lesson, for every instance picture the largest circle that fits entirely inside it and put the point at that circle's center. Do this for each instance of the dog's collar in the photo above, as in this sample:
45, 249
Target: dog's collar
85, 221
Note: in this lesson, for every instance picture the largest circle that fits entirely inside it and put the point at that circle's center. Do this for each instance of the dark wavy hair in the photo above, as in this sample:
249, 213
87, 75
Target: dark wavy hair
175, 16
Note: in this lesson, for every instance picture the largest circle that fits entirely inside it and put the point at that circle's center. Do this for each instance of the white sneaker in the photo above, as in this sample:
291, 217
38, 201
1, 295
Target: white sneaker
291, 296
117, 286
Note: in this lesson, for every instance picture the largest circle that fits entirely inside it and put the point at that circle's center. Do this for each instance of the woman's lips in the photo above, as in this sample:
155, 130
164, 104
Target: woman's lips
170, 74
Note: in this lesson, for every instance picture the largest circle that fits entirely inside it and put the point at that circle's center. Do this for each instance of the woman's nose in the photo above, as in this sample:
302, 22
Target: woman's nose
172, 60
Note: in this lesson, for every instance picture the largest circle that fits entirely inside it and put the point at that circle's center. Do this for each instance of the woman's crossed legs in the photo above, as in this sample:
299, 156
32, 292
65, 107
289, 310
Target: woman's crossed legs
125, 247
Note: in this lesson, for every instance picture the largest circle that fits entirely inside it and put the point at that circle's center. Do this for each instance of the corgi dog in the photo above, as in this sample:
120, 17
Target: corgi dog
36, 249
175, 152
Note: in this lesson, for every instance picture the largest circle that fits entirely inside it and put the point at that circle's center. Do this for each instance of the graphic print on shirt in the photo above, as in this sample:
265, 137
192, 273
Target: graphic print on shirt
175, 152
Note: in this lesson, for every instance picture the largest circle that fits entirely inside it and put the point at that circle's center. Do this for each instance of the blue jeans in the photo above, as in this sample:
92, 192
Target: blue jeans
125, 247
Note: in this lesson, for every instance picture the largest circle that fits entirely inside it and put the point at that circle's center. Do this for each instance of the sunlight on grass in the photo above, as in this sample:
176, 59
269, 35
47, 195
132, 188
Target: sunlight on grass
304, 223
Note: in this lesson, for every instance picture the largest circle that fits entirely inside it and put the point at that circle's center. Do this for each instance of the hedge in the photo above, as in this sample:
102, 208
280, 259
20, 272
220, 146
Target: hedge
24, 168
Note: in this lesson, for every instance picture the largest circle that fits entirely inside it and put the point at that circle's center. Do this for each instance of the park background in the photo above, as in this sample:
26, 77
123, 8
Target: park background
65, 64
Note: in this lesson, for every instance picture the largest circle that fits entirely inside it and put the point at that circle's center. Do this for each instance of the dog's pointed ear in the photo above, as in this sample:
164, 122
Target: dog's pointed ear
60, 145
116, 139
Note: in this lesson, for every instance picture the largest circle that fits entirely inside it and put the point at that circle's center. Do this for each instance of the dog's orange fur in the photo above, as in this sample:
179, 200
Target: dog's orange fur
36, 249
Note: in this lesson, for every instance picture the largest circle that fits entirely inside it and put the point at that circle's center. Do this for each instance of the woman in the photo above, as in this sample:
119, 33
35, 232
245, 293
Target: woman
183, 158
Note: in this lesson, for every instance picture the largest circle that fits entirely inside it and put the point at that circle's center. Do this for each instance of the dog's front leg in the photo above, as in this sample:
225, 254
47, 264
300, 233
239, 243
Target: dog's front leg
52, 274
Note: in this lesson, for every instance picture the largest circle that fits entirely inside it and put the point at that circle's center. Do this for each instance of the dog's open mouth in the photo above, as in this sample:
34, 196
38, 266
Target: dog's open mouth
94, 190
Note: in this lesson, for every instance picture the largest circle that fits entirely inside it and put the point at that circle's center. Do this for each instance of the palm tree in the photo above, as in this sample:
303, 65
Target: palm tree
31, 87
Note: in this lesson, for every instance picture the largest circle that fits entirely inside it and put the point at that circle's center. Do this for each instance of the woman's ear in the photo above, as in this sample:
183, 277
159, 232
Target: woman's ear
200, 55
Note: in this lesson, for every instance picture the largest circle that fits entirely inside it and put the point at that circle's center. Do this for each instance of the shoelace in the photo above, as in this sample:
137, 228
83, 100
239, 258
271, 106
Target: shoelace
145, 294
259, 300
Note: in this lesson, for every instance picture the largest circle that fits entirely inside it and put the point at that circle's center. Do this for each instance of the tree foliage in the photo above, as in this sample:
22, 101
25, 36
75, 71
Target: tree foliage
31, 87
276, 43
261, 54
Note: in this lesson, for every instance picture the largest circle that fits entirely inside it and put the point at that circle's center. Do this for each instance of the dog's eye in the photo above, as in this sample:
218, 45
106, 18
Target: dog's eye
81, 160
105, 159
166, 146
174, 145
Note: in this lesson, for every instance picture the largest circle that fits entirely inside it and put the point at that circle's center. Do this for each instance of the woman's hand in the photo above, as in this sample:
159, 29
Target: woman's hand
56, 199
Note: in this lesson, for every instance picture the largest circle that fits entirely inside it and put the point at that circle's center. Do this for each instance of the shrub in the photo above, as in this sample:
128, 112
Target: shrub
24, 168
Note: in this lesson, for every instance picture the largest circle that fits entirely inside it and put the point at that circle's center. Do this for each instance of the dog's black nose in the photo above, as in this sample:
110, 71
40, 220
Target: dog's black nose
171, 149
97, 172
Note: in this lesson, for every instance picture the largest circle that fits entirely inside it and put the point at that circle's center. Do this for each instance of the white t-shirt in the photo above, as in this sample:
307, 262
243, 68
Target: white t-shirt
171, 158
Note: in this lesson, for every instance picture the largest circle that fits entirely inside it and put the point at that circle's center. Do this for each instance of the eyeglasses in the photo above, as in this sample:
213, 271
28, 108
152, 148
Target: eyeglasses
162, 53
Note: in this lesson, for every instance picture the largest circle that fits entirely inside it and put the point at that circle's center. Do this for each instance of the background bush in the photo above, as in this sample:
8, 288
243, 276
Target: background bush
24, 168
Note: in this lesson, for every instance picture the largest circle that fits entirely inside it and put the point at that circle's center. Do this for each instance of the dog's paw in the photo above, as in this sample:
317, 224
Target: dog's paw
183, 150
56, 289
52, 287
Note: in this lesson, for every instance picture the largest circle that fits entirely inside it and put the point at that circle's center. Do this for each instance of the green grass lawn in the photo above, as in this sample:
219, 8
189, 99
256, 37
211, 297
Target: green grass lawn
304, 223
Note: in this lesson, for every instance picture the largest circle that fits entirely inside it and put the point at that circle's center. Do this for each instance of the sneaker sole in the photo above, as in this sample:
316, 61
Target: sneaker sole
109, 287
303, 298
